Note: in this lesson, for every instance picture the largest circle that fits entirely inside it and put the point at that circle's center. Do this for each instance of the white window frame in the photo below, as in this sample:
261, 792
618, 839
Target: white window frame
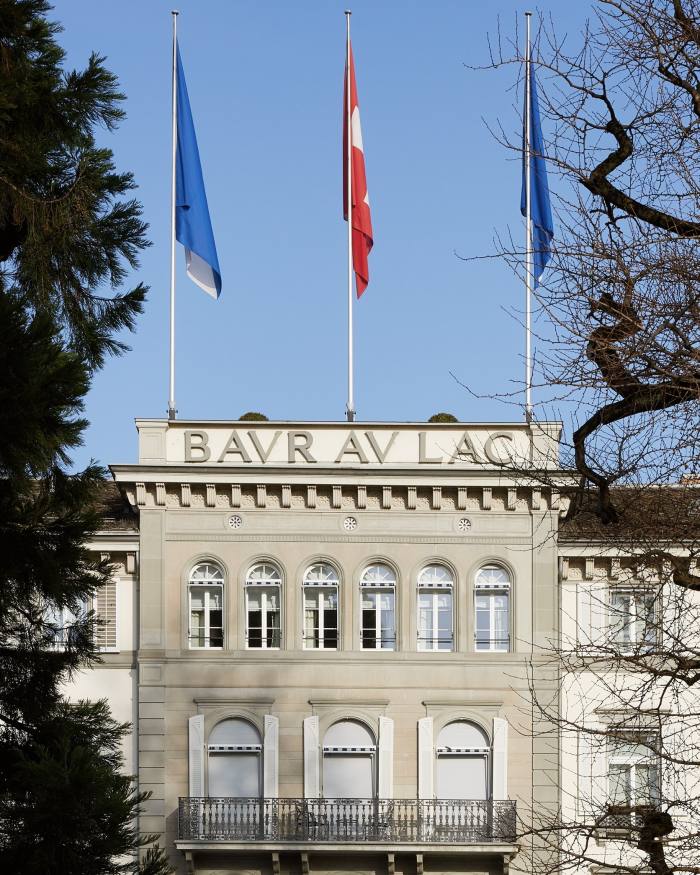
213, 578
434, 584
272, 580
315, 585
494, 587
630, 764
637, 617
378, 579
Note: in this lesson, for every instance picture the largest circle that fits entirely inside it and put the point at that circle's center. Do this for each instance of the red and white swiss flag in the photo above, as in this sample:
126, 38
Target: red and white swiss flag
361, 218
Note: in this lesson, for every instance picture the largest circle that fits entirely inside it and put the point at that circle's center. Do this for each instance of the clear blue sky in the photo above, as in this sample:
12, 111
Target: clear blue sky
265, 84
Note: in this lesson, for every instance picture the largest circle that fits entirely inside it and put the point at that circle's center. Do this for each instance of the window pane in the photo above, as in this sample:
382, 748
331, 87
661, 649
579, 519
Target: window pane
425, 621
444, 621
369, 632
216, 629
311, 618
273, 622
197, 628
620, 785
501, 625
330, 628
388, 621
347, 776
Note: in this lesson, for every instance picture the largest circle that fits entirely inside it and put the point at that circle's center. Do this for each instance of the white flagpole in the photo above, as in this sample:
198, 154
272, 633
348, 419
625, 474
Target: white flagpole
529, 258
172, 412
350, 410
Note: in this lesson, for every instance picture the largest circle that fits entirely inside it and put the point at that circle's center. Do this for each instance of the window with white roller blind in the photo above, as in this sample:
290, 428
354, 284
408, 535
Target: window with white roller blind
462, 762
234, 755
349, 761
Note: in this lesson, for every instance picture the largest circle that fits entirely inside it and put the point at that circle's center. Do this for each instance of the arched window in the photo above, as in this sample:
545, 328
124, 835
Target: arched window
206, 598
234, 757
263, 595
378, 595
320, 587
435, 625
349, 761
462, 767
492, 608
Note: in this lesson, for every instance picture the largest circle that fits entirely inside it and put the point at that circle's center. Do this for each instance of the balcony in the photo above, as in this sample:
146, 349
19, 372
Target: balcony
300, 822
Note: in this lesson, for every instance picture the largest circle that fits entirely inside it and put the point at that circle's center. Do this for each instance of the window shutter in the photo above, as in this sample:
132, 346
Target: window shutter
584, 614
106, 610
600, 593
271, 758
196, 749
385, 784
312, 777
499, 788
426, 756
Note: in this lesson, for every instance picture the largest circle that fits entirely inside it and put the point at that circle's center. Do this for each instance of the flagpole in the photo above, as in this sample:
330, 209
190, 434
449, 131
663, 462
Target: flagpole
172, 412
350, 409
529, 266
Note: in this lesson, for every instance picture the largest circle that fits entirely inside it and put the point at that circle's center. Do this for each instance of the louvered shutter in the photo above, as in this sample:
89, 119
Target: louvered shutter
500, 759
312, 765
196, 751
106, 610
426, 758
271, 758
385, 784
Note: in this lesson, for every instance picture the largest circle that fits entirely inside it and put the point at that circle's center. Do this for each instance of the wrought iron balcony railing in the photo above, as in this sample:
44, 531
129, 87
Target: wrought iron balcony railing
407, 821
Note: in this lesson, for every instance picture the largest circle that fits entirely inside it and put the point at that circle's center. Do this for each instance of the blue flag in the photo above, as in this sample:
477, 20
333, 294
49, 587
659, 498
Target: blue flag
192, 222
540, 208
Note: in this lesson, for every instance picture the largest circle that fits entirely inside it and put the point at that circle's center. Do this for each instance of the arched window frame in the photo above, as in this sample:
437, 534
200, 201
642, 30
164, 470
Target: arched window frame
378, 617
350, 751
206, 584
481, 752
492, 599
320, 600
234, 749
263, 581
435, 599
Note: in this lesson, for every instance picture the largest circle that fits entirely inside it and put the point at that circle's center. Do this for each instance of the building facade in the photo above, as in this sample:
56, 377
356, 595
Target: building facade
326, 635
